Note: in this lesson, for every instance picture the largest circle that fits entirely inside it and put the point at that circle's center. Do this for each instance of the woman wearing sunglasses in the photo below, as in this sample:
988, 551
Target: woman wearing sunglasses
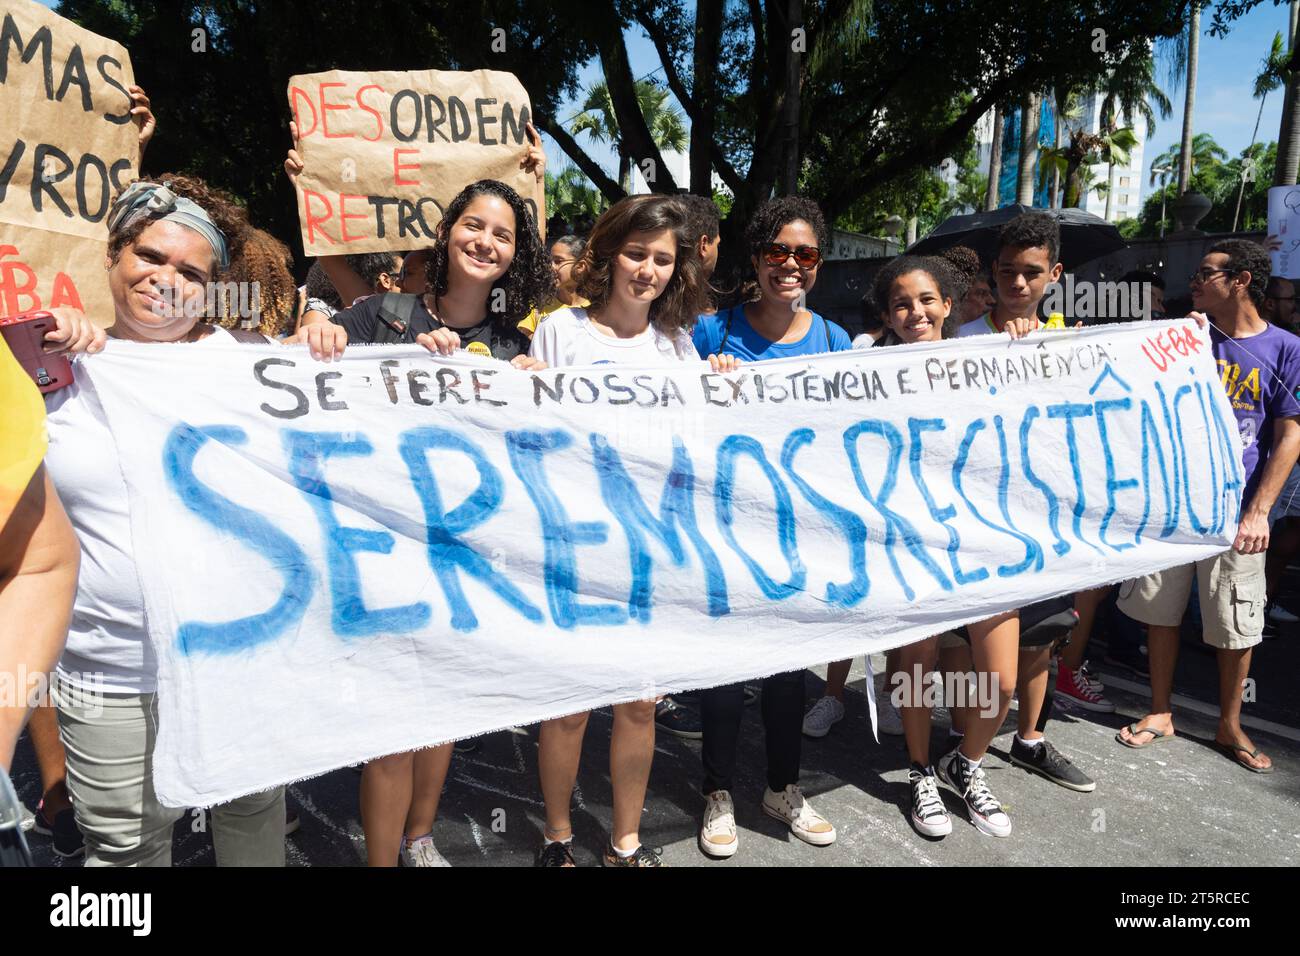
785, 239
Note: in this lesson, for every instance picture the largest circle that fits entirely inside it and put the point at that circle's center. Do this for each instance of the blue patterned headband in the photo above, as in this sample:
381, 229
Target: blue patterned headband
154, 201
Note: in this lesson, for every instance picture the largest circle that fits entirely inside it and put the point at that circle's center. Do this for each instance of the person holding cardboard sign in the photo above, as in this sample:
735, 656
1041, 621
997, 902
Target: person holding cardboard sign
167, 243
486, 271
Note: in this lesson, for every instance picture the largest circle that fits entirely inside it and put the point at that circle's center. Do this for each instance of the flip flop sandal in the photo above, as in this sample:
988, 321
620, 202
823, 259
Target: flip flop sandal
1156, 737
1233, 751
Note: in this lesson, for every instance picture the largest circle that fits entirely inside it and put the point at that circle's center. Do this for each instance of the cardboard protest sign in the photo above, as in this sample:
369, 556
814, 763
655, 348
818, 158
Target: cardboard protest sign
68, 145
348, 560
384, 153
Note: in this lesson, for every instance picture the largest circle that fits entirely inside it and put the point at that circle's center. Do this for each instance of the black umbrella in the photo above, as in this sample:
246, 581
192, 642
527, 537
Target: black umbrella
1084, 237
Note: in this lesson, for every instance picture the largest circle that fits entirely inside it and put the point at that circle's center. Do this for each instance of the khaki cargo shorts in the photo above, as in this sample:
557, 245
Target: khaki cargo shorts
1231, 591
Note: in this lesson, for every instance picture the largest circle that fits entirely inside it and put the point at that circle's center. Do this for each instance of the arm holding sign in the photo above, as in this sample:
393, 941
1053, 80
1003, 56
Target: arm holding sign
1252, 532
142, 116
325, 340
347, 283
534, 160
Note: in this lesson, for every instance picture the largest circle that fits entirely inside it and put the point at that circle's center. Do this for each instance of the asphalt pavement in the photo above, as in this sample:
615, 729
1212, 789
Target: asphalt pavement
1180, 804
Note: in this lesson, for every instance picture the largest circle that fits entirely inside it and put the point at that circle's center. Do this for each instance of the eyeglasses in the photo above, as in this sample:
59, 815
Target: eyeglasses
806, 257
1205, 275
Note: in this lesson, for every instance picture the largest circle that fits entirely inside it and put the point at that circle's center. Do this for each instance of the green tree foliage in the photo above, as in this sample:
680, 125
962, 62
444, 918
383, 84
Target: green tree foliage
1218, 178
599, 120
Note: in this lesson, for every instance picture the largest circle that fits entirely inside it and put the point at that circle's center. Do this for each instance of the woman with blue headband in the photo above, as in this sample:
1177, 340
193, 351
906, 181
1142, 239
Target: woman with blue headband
169, 240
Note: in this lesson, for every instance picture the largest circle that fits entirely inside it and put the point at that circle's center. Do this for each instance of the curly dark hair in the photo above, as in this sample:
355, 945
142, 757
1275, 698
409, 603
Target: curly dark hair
319, 286
1031, 230
1246, 256
964, 260
703, 213
937, 268
684, 298
775, 214
371, 265
266, 265
219, 205
529, 281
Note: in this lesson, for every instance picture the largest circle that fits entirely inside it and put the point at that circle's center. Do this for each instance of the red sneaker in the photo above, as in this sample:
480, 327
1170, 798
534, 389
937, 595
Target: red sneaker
1074, 686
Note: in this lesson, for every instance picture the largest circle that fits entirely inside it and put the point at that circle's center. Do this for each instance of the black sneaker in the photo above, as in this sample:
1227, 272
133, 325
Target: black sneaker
983, 809
929, 815
559, 853
1046, 761
643, 856
64, 833
677, 721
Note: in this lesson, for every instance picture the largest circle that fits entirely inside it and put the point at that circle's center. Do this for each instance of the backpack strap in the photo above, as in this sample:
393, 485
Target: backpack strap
726, 329
396, 310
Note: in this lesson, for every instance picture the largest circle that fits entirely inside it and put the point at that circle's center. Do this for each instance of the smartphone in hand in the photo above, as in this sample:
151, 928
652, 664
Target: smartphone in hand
25, 333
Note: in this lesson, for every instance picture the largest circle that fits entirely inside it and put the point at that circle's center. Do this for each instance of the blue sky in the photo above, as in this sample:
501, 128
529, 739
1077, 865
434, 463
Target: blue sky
1228, 66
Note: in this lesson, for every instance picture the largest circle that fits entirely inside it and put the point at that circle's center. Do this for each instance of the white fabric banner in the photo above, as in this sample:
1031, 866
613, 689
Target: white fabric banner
341, 561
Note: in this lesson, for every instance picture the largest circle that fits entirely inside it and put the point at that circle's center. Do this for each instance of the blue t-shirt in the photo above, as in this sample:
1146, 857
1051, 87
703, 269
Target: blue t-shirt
747, 345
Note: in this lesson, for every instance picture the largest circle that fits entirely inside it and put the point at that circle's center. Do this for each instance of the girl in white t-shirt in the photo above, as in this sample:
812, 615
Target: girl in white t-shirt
642, 274
167, 241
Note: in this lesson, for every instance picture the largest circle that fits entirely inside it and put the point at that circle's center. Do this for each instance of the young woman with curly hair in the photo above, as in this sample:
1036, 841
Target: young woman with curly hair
486, 271
169, 241
642, 274
785, 239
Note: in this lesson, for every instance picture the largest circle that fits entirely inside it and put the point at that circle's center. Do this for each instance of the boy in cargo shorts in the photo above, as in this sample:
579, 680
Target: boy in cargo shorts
1260, 367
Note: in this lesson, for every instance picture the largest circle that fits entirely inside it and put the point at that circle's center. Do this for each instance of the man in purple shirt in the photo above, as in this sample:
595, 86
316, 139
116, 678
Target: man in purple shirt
1260, 368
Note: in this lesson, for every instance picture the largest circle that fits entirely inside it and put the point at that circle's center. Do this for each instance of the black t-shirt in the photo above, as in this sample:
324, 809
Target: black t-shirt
362, 323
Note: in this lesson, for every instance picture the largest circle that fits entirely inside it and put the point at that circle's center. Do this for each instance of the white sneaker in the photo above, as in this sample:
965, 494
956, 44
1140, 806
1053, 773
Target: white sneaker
791, 808
887, 719
422, 852
718, 832
823, 715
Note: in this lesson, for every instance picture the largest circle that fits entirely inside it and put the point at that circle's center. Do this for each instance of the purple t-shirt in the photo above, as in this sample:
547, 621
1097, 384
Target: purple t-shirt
1261, 374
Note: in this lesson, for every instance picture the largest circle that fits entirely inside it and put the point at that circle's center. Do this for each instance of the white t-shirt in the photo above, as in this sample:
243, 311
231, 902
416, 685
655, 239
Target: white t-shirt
567, 337
108, 647
981, 326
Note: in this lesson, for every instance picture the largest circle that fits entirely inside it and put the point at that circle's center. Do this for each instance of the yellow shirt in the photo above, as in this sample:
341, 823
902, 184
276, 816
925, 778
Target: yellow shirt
528, 325
22, 431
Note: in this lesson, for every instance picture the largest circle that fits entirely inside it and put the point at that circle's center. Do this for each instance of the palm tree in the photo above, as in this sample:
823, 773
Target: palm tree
1193, 52
995, 163
1028, 149
1069, 108
600, 122
1272, 74
1129, 90
570, 195
1288, 136
1204, 153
